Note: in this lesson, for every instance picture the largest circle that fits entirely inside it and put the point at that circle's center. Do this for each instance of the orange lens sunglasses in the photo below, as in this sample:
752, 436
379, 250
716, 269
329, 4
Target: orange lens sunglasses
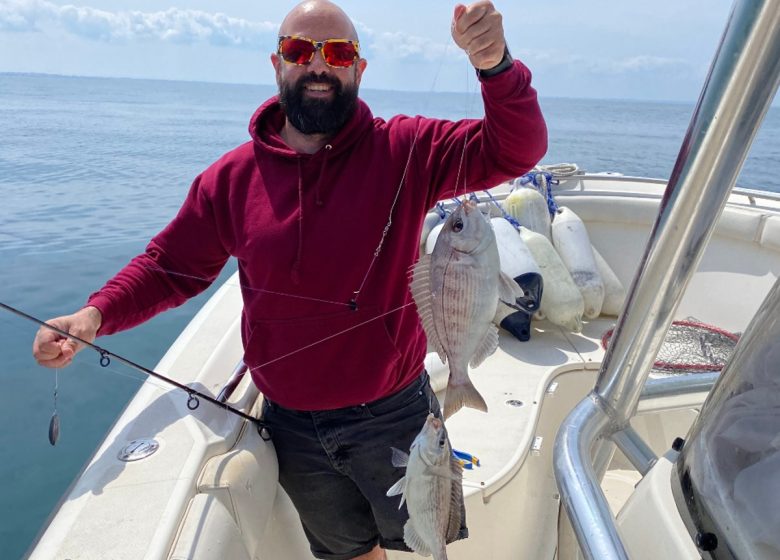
338, 53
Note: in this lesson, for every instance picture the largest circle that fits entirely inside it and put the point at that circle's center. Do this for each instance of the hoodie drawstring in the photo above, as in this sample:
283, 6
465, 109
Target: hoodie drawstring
317, 199
295, 274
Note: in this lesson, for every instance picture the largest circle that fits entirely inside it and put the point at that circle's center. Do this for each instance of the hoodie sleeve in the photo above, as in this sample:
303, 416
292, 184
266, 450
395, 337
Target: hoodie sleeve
179, 263
506, 143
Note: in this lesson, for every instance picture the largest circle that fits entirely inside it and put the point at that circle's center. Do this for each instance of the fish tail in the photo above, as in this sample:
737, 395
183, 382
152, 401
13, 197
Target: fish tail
460, 395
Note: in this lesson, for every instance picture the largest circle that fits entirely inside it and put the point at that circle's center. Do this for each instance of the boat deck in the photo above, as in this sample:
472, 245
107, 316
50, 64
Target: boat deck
513, 382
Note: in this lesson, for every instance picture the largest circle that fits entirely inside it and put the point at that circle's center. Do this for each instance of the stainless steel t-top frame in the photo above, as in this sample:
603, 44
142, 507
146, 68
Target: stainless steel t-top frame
739, 89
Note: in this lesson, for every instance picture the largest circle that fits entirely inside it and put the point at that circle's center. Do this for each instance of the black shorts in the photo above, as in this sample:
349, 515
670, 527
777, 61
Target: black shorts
336, 467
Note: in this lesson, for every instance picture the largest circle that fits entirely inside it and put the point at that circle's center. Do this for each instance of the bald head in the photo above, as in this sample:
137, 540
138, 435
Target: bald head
318, 20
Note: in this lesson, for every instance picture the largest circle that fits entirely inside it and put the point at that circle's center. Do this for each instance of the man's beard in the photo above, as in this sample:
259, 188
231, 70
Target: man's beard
318, 116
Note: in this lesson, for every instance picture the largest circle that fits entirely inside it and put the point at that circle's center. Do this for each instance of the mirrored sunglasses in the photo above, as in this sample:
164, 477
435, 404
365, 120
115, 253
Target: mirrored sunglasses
339, 53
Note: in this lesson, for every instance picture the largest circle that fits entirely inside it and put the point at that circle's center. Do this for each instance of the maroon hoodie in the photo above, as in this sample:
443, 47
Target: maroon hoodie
305, 229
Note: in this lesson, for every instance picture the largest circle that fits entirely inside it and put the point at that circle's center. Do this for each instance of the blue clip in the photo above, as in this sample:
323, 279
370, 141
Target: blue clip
466, 460
534, 178
508, 217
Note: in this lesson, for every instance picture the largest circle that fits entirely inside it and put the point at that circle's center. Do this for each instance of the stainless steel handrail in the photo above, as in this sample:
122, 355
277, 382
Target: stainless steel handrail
674, 393
740, 87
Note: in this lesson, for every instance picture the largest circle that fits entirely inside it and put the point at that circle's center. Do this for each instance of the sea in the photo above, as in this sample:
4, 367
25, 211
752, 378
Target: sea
91, 168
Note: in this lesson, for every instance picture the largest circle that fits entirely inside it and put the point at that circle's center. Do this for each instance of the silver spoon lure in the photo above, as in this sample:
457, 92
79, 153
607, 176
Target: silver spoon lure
54, 423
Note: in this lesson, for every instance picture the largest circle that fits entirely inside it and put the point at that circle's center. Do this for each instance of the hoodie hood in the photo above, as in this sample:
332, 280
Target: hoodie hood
269, 118
264, 128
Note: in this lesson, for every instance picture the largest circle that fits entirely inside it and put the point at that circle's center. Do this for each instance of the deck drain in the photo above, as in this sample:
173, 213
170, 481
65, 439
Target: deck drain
515, 403
138, 449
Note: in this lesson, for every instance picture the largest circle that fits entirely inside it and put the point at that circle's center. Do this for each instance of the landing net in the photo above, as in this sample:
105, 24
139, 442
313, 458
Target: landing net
690, 346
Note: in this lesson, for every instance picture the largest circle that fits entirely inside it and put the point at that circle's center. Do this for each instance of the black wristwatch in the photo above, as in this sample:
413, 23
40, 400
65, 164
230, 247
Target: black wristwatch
505, 63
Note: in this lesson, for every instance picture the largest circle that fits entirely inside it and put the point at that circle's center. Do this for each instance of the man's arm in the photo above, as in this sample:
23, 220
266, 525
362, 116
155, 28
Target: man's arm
510, 139
179, 263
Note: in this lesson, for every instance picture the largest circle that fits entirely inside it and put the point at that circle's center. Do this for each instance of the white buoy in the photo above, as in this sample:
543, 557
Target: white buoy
529, 207
515, 257
614, 292
571, 240
562, 301
432, 219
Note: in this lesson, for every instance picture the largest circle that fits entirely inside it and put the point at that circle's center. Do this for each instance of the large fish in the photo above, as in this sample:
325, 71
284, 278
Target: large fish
456, 289
432, 490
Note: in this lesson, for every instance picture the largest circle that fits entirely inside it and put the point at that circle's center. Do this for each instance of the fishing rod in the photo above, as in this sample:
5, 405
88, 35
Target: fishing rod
105, 360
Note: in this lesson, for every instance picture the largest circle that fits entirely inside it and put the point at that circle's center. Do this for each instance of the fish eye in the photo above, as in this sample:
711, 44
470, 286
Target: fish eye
442, 441
457, 225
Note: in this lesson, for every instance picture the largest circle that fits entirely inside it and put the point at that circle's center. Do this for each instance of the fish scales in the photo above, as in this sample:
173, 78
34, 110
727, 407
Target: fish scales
432, 489
461, 306
457, 289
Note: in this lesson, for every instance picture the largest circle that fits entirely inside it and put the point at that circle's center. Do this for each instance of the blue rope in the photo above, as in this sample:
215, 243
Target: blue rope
440, 210
535, 180
508, 217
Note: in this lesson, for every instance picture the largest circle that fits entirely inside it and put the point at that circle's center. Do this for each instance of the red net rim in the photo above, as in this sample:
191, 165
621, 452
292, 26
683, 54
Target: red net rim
683, 366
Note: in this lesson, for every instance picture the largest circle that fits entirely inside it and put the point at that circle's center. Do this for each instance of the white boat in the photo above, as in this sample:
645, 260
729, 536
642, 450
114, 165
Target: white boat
172, 483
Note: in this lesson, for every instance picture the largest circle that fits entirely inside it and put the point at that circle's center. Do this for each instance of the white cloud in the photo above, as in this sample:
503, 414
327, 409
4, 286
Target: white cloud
646, 62
604, 66
176, 25
20, 16
401, 45
172, 25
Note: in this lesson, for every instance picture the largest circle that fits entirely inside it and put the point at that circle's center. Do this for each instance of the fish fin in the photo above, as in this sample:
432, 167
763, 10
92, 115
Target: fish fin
508, 289
421, 293
456, 501
400, 459
459, 396
414, 541
398, 488
486, 347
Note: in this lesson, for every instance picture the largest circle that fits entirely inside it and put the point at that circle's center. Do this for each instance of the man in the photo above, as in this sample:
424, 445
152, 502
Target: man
323, 210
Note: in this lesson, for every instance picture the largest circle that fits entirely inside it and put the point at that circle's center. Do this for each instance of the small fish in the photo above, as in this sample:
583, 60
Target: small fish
432, 490
457, 289
54, 429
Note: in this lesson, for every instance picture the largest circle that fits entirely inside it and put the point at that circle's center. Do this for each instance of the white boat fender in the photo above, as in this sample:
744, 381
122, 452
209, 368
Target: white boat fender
529, 207
515, 257
432, 219
614, 292
570, 238
562, 302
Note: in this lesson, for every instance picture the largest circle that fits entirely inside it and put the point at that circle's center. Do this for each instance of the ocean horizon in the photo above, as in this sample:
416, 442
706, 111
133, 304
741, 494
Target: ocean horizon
363, 89
91, 168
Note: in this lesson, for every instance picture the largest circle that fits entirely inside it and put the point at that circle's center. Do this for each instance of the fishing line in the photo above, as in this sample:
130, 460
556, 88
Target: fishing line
407, 304
105, 360
353, 302
130, 376
462, 165
194, 395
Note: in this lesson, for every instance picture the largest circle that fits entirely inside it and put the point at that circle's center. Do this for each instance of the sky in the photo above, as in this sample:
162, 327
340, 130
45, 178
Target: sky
605, 49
